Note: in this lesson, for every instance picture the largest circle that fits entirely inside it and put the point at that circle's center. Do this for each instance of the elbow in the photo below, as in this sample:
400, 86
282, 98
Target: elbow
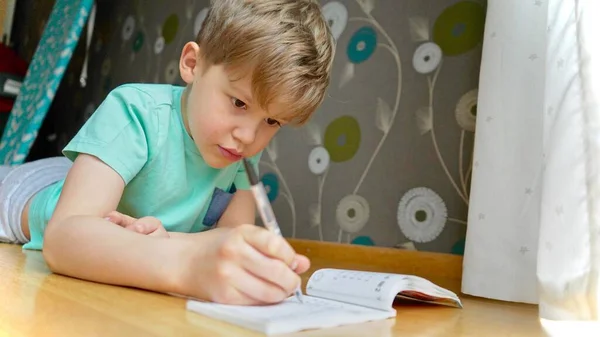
52, 245
49, 258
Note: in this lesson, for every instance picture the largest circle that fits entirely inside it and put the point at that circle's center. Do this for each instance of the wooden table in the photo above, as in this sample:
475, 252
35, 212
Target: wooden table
35, 302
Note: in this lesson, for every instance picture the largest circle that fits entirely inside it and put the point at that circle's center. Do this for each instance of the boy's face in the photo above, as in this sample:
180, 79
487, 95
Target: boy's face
221, 115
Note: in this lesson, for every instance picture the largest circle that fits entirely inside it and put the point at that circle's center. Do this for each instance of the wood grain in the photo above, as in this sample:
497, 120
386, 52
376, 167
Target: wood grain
35, 302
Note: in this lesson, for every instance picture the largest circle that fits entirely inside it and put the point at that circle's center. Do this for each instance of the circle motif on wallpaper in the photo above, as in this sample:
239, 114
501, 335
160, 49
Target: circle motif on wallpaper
271, 185
427, 57
421, 214
128, 28
342, 138
352, 213
103, 34
169, 28
200, 17
336, 15
171, 72
159, 45
362, 45
318, 160
363, 240
106, 66
466, 110
460, 27
138, 42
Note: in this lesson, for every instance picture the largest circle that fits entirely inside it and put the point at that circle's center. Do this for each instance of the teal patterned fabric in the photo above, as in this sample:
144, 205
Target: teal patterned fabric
43, 77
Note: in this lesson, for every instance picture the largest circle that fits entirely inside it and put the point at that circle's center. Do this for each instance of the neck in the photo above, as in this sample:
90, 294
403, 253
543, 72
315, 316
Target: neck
184, 112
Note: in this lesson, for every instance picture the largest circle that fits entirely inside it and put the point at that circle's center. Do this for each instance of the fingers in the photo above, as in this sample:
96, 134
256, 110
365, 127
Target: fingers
238, 287
251, 266
160, 232
142, 228
303, 264
146, 225
269, 257
268, 243
120, 219
255, 290
232, 296
154, 227
275, 272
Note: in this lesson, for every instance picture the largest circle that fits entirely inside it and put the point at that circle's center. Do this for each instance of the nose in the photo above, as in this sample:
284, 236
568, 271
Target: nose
246, 133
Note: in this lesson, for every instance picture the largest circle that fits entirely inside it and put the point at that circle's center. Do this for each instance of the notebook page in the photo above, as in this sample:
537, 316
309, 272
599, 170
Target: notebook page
289, 315
420, 289
370, 289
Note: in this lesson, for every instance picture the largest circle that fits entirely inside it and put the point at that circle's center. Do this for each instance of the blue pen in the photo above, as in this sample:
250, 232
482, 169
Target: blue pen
264, 209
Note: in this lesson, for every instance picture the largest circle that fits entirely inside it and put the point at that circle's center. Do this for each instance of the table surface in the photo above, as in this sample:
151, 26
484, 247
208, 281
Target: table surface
35, 302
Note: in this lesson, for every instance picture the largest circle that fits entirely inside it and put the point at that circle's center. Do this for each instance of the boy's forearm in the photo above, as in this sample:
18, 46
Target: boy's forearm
180, 235
94, 249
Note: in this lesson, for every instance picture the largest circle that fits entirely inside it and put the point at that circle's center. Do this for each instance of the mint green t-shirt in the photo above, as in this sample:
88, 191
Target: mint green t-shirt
138, 131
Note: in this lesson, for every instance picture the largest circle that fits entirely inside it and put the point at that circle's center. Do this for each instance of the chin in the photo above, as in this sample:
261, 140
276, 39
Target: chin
216, 163
220, 165
219, 162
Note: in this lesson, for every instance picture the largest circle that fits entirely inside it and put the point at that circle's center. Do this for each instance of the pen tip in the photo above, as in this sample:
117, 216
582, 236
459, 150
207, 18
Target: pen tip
299, 296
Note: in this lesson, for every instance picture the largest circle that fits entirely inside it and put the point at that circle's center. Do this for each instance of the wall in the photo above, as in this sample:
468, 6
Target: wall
385, 161
3, 6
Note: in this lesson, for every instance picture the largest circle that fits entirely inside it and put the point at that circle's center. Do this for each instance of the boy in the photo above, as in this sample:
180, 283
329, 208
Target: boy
151, 168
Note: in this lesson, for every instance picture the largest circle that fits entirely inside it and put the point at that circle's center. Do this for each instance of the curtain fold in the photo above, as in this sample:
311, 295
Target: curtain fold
534, 220
502, 235
568, 258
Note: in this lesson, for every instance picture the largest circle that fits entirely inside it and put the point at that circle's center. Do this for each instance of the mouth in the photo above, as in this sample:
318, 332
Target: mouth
230, 154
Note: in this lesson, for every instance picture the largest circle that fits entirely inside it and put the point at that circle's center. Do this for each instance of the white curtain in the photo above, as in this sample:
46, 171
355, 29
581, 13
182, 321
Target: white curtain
534, 217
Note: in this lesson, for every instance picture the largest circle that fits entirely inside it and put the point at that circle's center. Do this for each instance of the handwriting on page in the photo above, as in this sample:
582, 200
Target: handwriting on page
363, 288
349, 280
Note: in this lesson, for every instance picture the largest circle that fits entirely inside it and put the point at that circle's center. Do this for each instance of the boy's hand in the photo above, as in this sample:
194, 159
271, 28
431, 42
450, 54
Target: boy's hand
147, 225
245, 265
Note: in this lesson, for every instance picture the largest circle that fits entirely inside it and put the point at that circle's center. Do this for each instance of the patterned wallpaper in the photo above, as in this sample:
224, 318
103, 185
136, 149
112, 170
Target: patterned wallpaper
386, 160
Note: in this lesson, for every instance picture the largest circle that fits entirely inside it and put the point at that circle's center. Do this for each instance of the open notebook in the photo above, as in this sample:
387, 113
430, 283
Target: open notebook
333, 297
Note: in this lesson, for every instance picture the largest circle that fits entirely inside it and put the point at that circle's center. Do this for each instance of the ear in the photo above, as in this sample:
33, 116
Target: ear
189, 62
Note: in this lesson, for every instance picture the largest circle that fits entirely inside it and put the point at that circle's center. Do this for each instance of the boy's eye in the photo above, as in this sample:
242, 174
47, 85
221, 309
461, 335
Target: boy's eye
238, 104
272, 122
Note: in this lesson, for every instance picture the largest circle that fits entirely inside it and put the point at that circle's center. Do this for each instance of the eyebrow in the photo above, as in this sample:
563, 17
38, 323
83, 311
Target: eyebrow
282, 117
245, 97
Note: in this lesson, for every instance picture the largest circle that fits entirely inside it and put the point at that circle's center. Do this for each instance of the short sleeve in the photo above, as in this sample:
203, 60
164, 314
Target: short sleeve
241, 178
118, 132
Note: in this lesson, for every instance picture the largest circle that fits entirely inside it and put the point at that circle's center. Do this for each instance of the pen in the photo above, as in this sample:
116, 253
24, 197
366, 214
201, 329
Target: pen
264, 209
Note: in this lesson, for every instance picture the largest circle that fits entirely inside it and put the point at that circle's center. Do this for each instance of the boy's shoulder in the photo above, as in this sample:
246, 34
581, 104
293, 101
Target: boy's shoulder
154, 94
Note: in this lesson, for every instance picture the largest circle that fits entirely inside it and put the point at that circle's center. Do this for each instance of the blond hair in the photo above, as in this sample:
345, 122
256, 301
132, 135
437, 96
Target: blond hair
284, 45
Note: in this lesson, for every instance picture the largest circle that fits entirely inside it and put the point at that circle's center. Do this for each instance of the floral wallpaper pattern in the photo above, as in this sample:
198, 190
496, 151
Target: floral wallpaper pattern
385, 161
